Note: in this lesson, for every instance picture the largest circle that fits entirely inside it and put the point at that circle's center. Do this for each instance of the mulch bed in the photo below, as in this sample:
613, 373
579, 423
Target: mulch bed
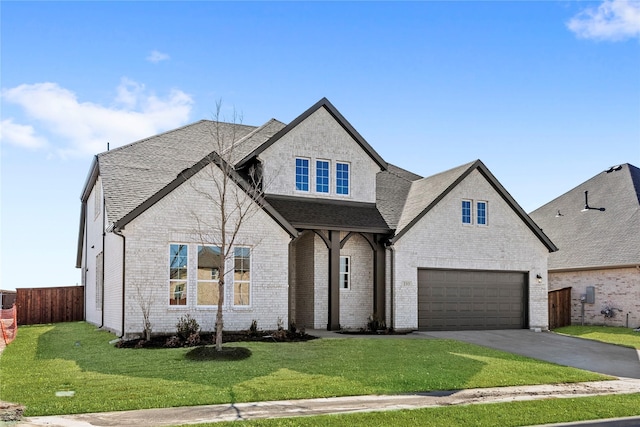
160, 341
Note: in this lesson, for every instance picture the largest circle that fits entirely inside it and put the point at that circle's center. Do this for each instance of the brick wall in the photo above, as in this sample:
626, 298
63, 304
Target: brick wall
356, 303
319, 137
186, 216
616, 287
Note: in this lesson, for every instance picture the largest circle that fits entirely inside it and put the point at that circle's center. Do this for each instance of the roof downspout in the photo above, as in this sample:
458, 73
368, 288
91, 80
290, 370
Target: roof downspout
118, 232
86, 258
392, 286
104, 233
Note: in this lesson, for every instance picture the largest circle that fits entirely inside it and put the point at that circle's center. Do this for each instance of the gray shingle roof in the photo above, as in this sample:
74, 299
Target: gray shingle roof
308, 213
392, 189
594, 238
133, 173
426, 190
253, 140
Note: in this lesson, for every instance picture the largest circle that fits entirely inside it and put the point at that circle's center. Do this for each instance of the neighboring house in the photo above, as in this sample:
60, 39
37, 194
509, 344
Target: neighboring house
597, 229
341, 236
7, 299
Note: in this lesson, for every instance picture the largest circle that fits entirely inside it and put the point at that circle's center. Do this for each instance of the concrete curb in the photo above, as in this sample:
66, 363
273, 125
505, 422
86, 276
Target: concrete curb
335, 405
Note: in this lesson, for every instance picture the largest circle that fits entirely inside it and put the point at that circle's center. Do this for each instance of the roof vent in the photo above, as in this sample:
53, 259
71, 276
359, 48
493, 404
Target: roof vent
587, 208
614, 168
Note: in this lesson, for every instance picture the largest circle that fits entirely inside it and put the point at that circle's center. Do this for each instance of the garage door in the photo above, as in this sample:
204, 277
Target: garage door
467, 299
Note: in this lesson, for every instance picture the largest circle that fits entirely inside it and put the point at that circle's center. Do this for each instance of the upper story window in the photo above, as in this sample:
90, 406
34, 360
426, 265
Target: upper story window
481, 213
466, 211
178, 261
322, 176
302, 174
342, 178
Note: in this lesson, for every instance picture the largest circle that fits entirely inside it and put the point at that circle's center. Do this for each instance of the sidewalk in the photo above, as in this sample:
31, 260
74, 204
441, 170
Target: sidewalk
336, 405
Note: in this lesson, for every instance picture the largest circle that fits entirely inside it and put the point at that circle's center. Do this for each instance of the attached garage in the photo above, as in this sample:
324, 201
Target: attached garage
471, 299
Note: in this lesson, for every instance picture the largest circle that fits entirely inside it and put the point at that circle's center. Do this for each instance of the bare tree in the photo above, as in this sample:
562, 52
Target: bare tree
234, 197
145, 299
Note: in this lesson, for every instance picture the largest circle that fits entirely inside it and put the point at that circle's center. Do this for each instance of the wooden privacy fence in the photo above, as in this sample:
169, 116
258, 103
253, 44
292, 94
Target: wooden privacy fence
559, 308
50, 305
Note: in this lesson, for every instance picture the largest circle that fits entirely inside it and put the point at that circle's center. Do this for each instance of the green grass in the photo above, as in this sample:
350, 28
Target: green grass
608, 334
45, 359
495, 414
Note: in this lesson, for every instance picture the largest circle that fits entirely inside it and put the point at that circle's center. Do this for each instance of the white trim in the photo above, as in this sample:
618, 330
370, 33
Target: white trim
169, 281
339, 162
250, 281
486, 213
295, 174
462, 212
347, 273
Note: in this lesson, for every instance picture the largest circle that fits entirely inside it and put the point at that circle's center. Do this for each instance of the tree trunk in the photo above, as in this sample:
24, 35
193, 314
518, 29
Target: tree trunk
219, 314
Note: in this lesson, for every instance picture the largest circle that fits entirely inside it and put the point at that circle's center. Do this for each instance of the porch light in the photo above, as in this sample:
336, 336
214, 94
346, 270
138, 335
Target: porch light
539, 277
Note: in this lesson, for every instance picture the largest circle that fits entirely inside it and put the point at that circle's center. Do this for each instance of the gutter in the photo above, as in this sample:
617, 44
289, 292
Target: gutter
118, 232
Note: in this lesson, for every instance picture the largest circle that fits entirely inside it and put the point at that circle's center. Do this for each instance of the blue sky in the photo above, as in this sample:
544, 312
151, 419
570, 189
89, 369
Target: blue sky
546, 94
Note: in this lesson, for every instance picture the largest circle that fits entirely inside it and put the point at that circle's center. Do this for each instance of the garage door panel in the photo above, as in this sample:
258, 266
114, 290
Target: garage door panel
471, 300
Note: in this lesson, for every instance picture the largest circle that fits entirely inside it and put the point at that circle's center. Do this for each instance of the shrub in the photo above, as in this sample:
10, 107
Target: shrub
253, 329
173, 342
187, 326
193, 340
374, 324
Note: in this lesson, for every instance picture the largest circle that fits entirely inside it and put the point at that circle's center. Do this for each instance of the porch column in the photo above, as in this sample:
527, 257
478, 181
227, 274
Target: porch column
334, 281
379, 269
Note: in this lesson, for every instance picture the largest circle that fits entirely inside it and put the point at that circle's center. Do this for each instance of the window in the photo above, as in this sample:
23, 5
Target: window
322, 176
99, 279
241, 276
178, 274
466, 211
342, 178
302, 174
208, 275
345, 272
481, 213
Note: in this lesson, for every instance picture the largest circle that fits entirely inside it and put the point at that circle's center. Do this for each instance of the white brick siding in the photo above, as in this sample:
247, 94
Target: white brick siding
172, 220
113, 283
356, 303
92, 246
618, 287
319, 137
440, 240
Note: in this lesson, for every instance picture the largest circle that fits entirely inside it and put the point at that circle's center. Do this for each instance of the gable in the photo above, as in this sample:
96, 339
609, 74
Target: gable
428, 193
319, 137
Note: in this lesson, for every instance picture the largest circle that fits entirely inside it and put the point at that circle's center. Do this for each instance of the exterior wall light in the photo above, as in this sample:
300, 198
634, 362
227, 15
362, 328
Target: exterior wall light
539, 277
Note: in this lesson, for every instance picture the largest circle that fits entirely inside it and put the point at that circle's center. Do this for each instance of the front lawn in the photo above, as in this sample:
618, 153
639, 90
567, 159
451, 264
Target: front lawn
609, 334
75, 357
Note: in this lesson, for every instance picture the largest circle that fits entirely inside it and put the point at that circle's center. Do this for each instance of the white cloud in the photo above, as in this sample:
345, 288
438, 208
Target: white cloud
87, 127
612, 20
20, 135
157, 56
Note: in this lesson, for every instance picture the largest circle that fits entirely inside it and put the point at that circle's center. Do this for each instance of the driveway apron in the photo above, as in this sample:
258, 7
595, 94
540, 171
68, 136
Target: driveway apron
580, 353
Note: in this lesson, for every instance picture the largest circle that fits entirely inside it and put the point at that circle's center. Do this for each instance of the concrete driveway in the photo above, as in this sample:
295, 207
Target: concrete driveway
569, 351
